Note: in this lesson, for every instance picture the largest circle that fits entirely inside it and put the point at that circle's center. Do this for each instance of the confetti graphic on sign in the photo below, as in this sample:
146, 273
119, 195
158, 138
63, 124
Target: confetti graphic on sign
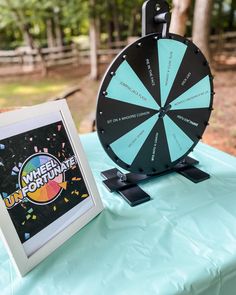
76, 179
84, 196
40, 179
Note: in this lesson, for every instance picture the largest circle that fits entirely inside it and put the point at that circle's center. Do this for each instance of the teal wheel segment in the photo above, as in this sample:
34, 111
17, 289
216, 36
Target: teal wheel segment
127, 87
128, 146
197, 97
171, 54
191, 121
193, 69
178, 142
154, 103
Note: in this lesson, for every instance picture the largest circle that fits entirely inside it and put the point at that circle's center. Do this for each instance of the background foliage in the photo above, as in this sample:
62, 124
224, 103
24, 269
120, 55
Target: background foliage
21, 20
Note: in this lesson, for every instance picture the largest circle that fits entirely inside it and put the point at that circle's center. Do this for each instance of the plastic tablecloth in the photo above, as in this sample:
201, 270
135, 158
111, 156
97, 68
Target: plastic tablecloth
181, 242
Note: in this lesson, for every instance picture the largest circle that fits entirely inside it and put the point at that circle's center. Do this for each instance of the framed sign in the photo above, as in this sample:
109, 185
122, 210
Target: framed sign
47, 190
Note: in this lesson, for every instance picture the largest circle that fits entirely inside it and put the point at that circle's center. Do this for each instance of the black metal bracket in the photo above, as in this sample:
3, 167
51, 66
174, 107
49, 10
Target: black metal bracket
155, 17
127, 184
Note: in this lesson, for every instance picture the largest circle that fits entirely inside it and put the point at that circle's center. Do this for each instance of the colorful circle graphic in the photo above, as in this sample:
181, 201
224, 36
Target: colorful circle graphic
38, 171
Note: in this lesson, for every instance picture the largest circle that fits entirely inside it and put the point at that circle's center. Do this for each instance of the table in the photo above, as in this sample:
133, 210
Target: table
182, 242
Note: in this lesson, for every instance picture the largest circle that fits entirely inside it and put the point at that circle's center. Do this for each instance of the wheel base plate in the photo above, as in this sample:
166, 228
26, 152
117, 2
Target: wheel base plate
127, 184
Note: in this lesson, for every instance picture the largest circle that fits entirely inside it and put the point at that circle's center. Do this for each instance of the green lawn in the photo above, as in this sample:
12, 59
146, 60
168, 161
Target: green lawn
30, 92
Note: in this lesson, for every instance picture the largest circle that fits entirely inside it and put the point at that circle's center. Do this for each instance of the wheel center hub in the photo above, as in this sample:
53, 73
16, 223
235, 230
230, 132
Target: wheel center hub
164, 111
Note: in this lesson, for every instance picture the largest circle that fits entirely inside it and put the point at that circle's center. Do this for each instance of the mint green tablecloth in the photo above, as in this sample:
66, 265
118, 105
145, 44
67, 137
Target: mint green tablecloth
182, 242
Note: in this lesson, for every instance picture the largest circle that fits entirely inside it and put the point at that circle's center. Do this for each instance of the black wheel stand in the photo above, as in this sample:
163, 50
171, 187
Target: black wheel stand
127, 184
155, 19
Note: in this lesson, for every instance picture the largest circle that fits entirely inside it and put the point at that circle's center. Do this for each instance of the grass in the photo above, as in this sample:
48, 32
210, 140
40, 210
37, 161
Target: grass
26, 93
32, 92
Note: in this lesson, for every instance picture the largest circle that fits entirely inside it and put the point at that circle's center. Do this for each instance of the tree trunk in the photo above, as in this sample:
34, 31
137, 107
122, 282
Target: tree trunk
109, 24
180, 16
58, 30
232, 15
132, 22
93, 43
28, 39
50, 35
202, 25
219, 29
109, 33
98, 29
116, 21
219, 17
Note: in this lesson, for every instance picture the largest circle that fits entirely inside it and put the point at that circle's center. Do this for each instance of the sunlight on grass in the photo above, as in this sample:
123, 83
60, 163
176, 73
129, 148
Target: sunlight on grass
31, 92
2, 101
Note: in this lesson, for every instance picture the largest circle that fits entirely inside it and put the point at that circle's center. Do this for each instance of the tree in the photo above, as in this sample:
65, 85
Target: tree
21, 20
50, 34
93, 41
232, 15
202, 25
58, 29
114, 7
180, 16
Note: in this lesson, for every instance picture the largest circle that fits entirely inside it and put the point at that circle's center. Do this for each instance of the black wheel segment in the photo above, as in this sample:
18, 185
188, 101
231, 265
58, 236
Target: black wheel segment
154, 103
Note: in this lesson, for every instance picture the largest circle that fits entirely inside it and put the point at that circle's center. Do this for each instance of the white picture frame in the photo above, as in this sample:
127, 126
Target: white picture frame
28, 240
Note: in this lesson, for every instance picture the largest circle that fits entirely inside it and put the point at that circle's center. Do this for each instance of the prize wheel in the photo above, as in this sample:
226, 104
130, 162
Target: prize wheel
154, 103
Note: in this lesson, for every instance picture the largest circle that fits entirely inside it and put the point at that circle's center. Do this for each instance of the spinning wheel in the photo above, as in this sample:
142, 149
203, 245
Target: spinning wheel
154, 103
155, 100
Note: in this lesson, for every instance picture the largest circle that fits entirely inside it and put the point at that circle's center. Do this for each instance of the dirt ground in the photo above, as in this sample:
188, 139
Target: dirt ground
222, 130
